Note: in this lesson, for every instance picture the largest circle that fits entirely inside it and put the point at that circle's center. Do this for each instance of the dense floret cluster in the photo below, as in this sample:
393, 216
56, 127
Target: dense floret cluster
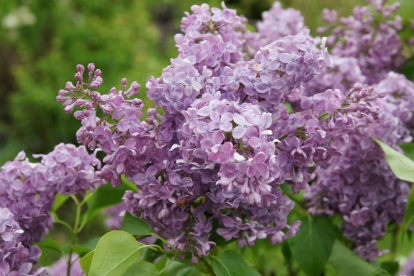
27, 190
359, 185
214, 161
370, 36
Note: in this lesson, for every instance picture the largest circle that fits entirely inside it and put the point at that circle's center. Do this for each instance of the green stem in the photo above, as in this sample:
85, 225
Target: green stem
75, 231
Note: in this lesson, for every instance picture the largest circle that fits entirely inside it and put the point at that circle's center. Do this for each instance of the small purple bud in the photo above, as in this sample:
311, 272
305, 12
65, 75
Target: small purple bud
79, 115
137, 103
98, 73
124, 82
91, 67
151, 112
78, 77
80, 68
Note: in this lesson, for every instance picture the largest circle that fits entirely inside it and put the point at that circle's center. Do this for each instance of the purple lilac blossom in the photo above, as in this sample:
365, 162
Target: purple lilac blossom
28, 190
16, 259
359, 185
225, 143
373, 42
276, 23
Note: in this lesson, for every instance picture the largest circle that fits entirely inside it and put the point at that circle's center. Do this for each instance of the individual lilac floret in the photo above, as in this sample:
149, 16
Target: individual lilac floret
374, 43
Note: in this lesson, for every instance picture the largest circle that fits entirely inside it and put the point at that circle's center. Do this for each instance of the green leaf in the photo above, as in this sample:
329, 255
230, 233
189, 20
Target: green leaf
401, 166
59, 200
135, 226
230, 263
49, 243
115, 253
409, 211
81, 250
347, 263
85, 262
408, 150
253, 271
141, 269
391, 267
316, 237
103, 198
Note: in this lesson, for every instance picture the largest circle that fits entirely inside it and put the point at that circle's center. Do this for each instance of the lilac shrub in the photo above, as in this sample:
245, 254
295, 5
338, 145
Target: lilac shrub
213, 162
225, 143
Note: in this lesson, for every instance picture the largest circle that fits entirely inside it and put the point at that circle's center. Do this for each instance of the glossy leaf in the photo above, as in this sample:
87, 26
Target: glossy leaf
135, 226
230, 263
312, 245
347, 263
141, 269
85, 261
401, 166
408, 150
115, 253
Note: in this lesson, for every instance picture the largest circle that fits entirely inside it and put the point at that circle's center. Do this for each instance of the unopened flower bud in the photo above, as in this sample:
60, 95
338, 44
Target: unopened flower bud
80, 68
91, 67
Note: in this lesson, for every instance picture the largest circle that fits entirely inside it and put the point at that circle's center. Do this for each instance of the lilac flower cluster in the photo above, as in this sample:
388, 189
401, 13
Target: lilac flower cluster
276, 23
369, 37
16, 259
217, 157
27, 190
359, 185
